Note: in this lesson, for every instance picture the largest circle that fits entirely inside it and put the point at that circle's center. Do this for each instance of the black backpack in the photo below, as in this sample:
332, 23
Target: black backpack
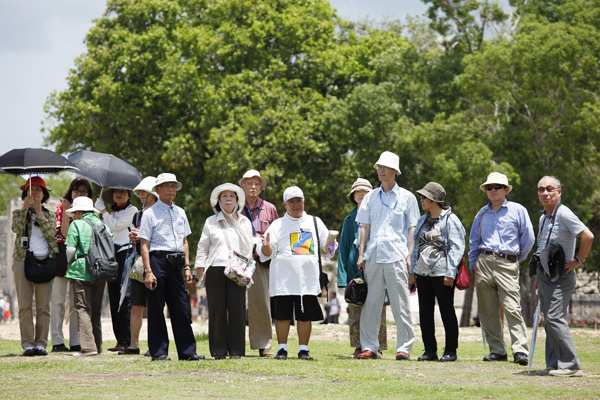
100, 259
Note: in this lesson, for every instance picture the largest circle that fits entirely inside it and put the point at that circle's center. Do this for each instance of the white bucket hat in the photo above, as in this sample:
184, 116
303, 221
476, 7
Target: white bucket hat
82, 203
360, 184
214, 196
291, 192
496, 178
251, 174
146, 185
389, 159
167, 177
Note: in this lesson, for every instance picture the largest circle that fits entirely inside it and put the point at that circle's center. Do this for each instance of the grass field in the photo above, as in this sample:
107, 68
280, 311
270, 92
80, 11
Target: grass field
332, 375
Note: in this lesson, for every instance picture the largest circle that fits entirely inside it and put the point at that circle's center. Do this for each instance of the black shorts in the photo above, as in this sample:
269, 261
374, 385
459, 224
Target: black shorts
138, 293
285, 306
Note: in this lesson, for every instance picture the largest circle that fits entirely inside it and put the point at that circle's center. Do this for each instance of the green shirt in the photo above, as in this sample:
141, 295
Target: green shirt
80, 236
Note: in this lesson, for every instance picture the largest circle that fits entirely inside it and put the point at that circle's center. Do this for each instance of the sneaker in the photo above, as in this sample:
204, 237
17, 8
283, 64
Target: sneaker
40, 351
544, 372
57, 348
303, 355
281, 355
89, 353
568, 373
29, 351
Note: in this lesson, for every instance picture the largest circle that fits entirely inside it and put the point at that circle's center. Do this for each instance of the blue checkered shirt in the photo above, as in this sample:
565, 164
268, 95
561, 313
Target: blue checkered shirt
388, 240
165, 227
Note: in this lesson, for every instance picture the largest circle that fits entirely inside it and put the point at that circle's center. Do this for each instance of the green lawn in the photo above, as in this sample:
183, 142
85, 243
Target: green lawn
332, 375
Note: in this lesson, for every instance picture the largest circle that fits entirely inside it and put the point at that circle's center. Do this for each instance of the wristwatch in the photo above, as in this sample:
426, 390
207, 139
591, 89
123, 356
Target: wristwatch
580, 261
187, 266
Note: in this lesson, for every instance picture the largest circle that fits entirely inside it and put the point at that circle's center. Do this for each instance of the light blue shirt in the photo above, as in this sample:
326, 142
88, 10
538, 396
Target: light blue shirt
507, 231
165, 227
390, 215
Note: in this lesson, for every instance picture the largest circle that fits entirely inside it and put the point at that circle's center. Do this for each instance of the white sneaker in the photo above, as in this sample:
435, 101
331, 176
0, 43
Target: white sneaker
566, 372
80, 354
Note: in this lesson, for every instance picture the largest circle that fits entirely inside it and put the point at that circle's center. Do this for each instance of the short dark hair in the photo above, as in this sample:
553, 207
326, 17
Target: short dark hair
44, 199
75, 183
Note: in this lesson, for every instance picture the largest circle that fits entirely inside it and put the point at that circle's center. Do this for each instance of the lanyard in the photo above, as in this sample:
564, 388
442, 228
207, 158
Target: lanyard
395, 204
254, 224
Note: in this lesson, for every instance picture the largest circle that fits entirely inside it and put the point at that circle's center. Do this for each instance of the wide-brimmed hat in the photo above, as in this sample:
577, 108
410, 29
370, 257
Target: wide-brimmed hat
389, 159
36, 180
167, 177
214, 196
107, 195
82, 203
496, 178
433, 191
291, 192
146, 185
251, 174
360, 184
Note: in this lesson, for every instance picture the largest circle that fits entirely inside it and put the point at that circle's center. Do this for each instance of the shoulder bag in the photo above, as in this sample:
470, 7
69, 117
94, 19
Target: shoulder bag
36, 270
240, 268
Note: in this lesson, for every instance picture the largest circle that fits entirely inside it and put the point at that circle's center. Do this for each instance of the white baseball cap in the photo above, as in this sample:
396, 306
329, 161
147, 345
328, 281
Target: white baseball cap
291, 192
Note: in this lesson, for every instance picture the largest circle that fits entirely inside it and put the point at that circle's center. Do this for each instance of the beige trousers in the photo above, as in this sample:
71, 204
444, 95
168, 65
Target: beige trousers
32, 335
497, 282
57, 313
260, 329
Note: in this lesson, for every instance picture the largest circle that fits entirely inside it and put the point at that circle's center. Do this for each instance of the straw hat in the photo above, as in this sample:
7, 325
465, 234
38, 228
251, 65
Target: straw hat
496, 178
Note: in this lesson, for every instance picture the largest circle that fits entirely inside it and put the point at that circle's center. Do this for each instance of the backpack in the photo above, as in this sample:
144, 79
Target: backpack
100, 259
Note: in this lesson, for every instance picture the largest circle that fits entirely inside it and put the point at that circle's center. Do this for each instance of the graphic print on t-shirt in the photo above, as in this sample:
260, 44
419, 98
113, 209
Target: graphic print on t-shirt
301, 243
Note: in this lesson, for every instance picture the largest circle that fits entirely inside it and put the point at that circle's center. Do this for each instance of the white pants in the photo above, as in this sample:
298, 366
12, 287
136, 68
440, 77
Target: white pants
394, 277
57, 314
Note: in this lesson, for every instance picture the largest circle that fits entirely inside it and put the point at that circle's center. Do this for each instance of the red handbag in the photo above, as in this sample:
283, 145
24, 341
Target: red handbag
462, 281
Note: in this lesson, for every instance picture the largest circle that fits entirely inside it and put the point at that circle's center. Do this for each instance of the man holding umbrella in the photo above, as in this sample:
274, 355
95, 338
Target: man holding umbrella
556, 278
165, 253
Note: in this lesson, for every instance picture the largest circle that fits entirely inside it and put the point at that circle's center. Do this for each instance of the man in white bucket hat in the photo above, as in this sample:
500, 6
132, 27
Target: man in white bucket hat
501, 237
261, 214
387, 217
165, 253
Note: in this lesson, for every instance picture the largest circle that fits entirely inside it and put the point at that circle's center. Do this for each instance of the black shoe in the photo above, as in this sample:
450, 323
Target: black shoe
449, 356
281, 355
428, 356
57, 348
40, 351
129, 351
521, 358
303, 355
219, 356
495, 357
29, 352
195, 357
118, 347
162, 357
147, 354
76, 348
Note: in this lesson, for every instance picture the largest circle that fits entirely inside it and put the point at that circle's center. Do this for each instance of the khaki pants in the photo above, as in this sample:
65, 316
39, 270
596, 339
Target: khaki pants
88, 303
57, 313
32, 335
497, 282
260, 328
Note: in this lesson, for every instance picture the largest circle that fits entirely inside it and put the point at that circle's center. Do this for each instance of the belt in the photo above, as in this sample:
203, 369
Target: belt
509, 257
164, 253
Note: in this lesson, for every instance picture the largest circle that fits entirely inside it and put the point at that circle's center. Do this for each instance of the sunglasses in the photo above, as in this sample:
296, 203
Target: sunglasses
494, 187
548, 189
423, 197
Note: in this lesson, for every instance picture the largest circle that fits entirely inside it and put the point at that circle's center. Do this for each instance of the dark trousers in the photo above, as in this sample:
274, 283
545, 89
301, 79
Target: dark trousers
170, 289
226, 314
120, 318
430, 288
88, 303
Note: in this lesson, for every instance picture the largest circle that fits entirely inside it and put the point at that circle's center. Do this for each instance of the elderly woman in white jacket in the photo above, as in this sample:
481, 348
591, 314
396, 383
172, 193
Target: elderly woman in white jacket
226, 300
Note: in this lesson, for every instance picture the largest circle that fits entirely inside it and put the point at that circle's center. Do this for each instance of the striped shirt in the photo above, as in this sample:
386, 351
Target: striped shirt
165, 227
566, 228
390, 216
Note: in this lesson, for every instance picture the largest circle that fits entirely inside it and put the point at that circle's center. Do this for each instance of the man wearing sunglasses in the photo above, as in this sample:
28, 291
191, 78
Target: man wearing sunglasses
501, 237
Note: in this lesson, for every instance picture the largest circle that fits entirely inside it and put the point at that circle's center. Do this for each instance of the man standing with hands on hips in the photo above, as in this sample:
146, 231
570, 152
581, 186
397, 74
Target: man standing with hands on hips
387, 216
555, 279
261, 214
501, 237
165, 253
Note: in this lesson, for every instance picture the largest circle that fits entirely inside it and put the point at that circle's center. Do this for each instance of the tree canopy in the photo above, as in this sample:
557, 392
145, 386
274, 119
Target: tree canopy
210, 88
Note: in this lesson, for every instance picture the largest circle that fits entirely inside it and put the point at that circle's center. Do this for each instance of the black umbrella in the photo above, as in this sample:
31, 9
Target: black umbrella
106, 170
34, 161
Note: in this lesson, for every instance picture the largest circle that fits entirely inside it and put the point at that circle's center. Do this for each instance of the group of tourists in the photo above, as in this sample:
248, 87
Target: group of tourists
384, 240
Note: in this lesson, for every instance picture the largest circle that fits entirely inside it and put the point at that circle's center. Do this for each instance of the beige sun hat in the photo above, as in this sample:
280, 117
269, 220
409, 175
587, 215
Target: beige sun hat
214, 196
496, 178
167, 177
389, 159
251, 174
360, 184
82, 203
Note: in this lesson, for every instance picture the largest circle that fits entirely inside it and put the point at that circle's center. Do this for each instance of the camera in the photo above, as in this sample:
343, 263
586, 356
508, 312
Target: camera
25, 242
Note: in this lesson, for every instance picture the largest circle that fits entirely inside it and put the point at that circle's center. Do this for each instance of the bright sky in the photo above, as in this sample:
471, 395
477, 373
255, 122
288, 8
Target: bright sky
40, 39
